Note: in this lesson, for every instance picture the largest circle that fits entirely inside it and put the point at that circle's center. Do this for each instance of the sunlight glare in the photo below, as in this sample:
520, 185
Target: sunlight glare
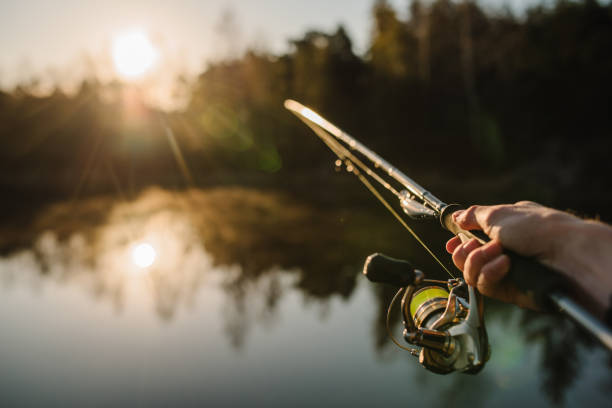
133, 54
143, 255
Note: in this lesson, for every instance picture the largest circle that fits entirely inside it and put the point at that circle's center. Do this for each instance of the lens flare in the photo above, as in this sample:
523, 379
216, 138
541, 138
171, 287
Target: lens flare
143, 255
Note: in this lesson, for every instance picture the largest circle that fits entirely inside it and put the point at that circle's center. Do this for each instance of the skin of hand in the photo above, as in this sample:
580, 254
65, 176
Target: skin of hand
579, 249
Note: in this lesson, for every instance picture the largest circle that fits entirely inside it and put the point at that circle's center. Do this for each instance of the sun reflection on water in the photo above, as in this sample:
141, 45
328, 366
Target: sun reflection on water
143, 255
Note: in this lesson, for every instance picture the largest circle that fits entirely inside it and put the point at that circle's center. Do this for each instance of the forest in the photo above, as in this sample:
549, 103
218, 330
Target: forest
484, 105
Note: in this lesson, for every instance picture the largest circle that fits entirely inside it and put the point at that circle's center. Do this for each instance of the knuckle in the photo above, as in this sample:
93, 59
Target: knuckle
469, 213
486, 269
553, 226
527, 203
468, 279
470, 274
493, 212
488, 216
472, 265
458, 258
483, 287
471, 244
475, 258
555, 216
493, 218
472, 208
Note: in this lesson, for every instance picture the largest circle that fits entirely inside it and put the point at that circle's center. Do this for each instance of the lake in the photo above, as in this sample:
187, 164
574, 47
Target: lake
233, 296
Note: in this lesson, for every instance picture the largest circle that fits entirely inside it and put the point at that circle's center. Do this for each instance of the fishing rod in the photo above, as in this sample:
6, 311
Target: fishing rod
443, 320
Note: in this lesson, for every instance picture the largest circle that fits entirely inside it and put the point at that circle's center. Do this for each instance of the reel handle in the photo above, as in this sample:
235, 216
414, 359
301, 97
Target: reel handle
527, 274
379, 268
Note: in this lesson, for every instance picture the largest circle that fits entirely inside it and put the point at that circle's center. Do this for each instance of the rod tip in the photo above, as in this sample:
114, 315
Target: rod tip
292, 105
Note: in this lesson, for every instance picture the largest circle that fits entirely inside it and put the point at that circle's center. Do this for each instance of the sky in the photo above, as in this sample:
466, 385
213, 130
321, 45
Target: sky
62, 40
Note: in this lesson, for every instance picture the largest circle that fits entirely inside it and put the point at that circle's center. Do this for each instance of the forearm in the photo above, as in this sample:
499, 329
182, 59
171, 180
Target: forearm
588, 260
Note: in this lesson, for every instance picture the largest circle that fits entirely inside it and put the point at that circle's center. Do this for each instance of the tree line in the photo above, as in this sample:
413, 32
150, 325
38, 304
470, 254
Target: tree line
450, 89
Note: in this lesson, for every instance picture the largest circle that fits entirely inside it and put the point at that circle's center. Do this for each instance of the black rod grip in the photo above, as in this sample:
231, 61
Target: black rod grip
380, 268
527, 274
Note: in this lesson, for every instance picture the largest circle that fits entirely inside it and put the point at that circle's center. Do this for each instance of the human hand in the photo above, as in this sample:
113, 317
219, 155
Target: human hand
576, 248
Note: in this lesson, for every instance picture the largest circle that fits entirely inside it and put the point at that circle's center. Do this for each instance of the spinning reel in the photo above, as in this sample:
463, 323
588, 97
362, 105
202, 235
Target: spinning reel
443, 320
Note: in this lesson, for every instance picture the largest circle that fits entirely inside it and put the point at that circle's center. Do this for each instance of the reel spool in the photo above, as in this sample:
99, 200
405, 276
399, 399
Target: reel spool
445, 326
427, 304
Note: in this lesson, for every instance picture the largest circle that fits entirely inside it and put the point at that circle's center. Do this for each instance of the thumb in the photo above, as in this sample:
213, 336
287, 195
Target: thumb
472, 219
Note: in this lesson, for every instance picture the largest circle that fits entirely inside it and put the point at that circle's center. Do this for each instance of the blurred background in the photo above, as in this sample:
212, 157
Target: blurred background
170, 235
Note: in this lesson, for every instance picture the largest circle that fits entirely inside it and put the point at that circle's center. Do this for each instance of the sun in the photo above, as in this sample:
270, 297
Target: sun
133, 54
143, 255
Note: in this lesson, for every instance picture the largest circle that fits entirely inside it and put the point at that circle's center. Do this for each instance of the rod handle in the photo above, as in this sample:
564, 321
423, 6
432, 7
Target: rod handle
527, 274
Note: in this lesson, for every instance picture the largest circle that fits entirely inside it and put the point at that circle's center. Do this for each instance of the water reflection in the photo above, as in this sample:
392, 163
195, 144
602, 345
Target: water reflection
183, 235
262, 249
143, 255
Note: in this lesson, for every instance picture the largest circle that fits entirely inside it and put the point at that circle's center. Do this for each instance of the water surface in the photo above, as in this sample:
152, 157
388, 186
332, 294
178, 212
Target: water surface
253, 299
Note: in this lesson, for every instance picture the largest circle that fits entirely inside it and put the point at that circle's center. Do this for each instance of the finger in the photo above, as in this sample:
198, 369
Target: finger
477, 259
486, 218
452, 244
462, 251
468, 219
493, 272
